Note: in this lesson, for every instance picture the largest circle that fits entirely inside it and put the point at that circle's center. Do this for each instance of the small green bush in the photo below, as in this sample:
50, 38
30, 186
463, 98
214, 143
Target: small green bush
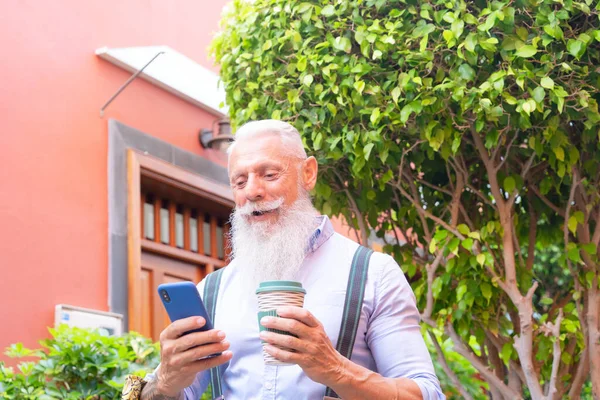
77, 364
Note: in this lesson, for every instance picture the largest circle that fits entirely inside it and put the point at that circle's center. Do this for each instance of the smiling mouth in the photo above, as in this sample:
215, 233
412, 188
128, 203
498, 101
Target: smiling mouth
259, 213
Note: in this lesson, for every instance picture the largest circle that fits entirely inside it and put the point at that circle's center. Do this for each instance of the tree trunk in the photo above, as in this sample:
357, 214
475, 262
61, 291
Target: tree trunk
524, 344
514, 381
593, 337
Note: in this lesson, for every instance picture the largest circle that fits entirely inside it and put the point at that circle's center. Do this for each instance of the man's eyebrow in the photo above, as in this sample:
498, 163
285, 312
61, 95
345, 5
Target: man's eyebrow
260, 167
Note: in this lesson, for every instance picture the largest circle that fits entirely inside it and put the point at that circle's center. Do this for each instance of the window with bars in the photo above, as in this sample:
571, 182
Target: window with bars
183, 226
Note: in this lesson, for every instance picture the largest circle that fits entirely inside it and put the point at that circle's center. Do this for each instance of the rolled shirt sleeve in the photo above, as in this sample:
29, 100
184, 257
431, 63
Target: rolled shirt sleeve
394, 335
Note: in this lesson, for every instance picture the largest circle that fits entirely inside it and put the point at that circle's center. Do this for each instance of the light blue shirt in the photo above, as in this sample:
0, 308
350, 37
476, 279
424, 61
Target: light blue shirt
388, 340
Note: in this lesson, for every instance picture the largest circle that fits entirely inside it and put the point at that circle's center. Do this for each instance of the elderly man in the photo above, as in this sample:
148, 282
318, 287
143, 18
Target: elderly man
277, 234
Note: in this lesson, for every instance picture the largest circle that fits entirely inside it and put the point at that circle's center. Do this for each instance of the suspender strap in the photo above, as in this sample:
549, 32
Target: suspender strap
211, 291
355, 292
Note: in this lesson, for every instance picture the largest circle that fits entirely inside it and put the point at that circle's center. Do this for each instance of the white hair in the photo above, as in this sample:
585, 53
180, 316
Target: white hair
289, 136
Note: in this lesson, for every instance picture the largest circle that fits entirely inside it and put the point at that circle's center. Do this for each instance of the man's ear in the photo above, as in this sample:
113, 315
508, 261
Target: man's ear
310, 170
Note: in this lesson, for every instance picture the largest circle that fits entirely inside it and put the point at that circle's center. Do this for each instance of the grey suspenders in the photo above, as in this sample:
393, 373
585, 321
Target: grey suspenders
211, 291
355, 292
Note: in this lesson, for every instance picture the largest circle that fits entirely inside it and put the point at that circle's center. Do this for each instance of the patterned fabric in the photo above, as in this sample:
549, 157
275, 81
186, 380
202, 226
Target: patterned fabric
133, 388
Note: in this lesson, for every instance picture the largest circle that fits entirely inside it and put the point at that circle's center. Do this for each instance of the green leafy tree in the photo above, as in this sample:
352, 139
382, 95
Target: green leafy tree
465, 134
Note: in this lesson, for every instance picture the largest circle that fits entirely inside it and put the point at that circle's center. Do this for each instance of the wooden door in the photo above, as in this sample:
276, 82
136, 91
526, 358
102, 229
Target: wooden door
156, 270
177, 232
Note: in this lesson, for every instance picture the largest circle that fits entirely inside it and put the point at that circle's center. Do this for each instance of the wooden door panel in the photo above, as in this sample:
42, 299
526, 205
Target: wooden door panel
147, 292
156, 270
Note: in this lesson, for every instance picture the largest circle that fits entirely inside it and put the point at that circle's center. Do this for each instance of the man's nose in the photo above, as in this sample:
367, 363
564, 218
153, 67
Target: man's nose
254, 189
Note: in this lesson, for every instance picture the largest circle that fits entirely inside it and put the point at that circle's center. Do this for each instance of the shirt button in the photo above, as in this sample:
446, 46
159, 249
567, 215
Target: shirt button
268, 386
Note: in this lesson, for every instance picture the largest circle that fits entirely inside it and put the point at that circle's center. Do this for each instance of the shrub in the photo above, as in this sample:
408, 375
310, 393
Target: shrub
77, 363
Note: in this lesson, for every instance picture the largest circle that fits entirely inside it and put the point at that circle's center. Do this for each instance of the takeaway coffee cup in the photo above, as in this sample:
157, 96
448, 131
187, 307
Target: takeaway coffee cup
274, 294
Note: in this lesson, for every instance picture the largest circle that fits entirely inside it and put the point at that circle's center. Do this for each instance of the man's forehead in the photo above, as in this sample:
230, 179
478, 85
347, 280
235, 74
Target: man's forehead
257, 150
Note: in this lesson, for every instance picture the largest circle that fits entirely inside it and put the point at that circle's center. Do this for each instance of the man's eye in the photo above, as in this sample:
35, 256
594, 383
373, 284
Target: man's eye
240, 184
270, 176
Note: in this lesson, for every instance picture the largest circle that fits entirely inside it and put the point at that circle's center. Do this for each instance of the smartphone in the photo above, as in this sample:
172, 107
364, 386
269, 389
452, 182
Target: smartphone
182, 300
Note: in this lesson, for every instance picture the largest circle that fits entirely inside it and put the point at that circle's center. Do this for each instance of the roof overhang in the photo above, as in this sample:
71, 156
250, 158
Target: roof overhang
173, 72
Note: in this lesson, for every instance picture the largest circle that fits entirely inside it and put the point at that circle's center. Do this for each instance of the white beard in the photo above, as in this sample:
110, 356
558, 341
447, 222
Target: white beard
267, 251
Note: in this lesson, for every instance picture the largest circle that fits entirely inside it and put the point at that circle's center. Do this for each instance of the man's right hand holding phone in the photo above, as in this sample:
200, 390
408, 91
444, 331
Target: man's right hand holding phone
185, 355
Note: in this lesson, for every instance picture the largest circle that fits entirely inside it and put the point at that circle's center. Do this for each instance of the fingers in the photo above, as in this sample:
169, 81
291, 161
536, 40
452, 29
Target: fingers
299, 314
197, 339
283, 355
286, 341
203, 351
179, 327
203, 365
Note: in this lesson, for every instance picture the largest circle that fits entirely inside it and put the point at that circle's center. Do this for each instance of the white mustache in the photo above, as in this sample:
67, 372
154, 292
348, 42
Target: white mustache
251, 207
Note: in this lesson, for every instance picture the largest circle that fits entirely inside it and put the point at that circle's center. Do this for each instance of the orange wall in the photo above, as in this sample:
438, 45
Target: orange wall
53, 144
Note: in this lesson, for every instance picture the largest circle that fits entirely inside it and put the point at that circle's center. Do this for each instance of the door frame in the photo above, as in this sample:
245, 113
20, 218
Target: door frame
138, 165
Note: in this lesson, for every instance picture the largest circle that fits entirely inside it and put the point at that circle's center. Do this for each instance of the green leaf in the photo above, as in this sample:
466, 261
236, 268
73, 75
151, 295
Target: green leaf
590, 248
572, 224
486, 289
509, 184
396, 94
376, 54
547, 82
308, 80
526, 51
448, 36
466, 72
475, 235
405, 113
506, 352
343, 44
589, 278
464, 229
559, 152
375, 115
461, 290
467, 244
328, 10
301, 65
432, 246
546, 301
538, 94
573, 253
575, 48
367, 150
471, 42
481, 259
359, 86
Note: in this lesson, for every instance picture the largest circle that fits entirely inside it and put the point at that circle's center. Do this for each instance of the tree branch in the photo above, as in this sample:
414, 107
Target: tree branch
488, 375
442, 360
517, 245
507, 152
555, 331
596, 237
524, 342
364, 239
485, 199
431, 268
490, 168
583, 369
554, 207
429, 215
527, 166
532, 233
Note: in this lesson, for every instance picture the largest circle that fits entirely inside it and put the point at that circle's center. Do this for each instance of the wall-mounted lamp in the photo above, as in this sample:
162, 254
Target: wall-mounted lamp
219, 141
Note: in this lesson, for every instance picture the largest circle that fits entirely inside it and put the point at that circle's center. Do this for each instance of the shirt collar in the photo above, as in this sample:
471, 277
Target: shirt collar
323, 232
